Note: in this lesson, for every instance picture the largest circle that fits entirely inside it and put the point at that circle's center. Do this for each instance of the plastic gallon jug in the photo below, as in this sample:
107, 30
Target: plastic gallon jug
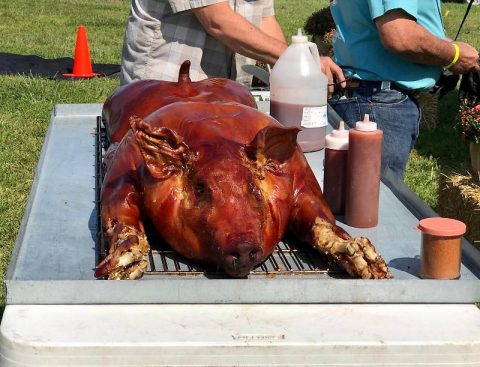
298, 92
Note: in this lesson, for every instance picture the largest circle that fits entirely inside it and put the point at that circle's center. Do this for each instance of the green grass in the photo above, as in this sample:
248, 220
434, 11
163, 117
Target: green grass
47, 28
24, 116
440, 150
292, 14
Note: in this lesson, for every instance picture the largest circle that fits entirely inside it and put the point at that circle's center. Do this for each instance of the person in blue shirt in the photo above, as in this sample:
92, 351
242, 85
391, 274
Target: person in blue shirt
388, 50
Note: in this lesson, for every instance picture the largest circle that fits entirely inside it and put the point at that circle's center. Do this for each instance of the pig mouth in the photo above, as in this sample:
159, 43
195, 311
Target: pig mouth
242, 259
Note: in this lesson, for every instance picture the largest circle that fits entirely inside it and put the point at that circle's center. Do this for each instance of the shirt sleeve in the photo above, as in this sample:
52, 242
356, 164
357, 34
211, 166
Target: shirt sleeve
182, 5
380, 7
268, 9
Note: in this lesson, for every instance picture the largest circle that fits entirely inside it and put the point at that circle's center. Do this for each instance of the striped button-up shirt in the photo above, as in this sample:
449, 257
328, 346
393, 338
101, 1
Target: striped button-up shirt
161, 34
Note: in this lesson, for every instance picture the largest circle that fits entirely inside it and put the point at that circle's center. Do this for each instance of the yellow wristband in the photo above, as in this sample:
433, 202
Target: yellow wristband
455, 58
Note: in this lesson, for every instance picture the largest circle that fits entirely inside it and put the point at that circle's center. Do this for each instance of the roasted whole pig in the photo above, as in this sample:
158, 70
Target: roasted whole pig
221, 182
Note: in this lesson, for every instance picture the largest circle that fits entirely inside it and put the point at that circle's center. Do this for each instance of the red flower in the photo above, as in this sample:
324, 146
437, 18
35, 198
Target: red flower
468, 121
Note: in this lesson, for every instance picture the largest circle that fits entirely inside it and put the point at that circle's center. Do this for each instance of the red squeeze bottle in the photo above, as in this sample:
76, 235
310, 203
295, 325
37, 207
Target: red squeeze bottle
335, 169
363, 174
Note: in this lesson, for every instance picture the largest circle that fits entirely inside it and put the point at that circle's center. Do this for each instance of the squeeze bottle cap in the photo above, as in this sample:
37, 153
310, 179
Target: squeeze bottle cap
337, 139
300, 37
366, 124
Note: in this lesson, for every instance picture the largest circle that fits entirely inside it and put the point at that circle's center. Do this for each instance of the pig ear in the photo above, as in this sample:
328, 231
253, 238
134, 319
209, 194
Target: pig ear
273, 143
163, 150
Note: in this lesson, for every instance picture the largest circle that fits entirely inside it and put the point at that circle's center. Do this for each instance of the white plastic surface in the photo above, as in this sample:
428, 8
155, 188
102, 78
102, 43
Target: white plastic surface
240, 335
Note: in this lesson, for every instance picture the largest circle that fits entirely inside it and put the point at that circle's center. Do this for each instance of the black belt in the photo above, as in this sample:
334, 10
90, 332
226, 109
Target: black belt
376, 85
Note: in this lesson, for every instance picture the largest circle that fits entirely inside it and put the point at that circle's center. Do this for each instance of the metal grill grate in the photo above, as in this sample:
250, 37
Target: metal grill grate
162, 260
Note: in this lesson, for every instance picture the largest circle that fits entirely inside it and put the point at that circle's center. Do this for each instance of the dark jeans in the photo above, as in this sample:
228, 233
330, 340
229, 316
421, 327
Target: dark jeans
396, 113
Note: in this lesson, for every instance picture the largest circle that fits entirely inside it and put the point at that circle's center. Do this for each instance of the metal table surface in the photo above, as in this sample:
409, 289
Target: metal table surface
54, 255
58, 315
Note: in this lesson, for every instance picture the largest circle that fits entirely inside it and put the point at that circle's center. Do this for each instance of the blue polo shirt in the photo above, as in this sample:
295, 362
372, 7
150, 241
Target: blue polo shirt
357, 46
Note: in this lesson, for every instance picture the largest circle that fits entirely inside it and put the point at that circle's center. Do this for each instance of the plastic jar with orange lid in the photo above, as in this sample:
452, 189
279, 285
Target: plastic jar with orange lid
441, 248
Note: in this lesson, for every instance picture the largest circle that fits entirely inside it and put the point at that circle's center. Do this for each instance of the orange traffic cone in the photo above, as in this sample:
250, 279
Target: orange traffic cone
82, 66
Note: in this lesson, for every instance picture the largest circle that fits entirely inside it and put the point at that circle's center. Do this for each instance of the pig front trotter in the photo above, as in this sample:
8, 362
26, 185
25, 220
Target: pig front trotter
125, 259
356, 255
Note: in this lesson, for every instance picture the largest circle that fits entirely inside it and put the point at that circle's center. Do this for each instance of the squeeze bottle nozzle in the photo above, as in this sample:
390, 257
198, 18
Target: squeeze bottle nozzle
366, 124
337, 139
341, 129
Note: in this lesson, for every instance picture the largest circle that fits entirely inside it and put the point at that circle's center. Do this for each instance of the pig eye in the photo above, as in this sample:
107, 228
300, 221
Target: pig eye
202, 192
200, 188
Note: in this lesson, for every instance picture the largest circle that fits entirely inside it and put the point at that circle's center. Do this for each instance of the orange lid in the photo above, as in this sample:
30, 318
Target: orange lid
438, 226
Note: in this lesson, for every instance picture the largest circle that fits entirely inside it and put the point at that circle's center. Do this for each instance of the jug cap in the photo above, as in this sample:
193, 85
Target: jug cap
438, 226
299, 37
366, 124
337, 139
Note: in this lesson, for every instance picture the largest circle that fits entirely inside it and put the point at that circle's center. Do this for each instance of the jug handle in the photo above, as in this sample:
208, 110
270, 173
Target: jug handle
314, 51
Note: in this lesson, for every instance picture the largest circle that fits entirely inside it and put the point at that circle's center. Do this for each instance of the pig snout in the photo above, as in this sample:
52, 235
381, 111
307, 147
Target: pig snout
242, 258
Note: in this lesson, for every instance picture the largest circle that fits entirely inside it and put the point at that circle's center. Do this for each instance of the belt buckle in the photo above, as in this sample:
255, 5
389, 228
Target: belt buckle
385, 85
353, 84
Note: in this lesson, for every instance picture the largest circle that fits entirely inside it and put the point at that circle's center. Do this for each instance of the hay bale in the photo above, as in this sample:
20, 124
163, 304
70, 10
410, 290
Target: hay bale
428, 103
460, 199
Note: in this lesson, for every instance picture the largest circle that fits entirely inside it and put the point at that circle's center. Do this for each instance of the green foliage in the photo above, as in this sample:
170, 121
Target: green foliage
320, 22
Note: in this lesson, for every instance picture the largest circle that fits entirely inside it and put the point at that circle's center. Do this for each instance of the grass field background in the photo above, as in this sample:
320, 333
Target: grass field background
47, 28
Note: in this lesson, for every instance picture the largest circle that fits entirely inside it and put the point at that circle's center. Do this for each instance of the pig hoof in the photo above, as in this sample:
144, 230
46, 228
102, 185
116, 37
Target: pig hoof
132, 272
356, 255
125, 260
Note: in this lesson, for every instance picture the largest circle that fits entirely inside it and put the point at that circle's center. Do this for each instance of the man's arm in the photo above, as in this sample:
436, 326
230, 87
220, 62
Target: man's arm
401, 34
237, 33
271, 27
264, 44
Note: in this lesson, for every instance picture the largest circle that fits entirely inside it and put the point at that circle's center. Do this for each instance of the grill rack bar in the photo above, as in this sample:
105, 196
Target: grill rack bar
163, 261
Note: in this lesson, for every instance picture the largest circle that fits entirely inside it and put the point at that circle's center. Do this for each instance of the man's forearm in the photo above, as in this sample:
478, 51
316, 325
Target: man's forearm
230, 28
271, 27
403, 35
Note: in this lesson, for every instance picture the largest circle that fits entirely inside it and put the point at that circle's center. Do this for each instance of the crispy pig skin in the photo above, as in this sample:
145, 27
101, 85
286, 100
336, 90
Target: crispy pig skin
221, 182
143, 97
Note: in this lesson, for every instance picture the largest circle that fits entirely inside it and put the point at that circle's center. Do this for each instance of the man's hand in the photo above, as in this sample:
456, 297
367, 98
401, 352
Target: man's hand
331, 70
469, 59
